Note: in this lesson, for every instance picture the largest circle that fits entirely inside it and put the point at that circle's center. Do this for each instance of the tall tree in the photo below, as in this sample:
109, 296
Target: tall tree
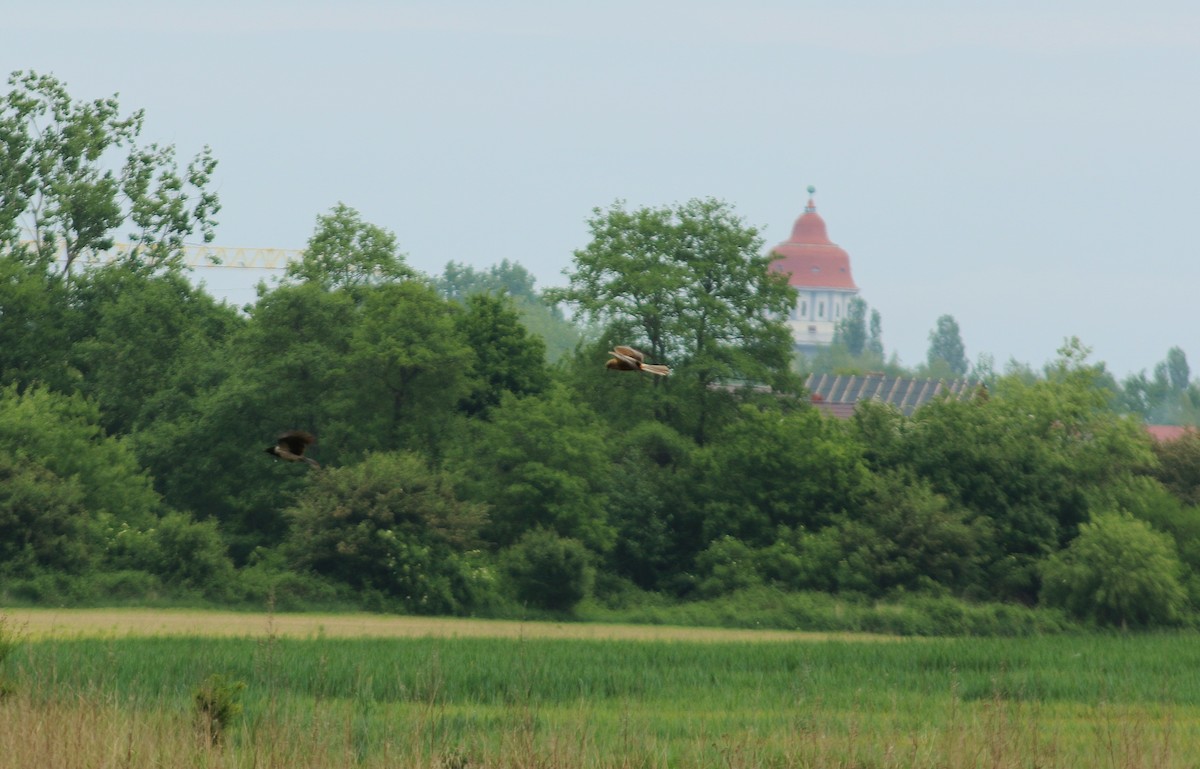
138, 332
875, 337
543, 318
1176, 371
507, 357
458, 281
410, 366
63, 182
946, 349
851, 331
541, 461
34, 323
278, 370
347, 252
777, 484
1169, 397
690, 286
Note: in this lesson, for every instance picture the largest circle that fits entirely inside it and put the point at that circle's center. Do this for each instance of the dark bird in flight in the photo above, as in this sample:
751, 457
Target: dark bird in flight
291, 445
628, 359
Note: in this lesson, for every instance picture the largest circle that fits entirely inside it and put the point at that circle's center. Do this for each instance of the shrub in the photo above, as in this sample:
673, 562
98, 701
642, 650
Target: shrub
392, 525
218, 703
724, 566
1118, 571
182, 552
548, 571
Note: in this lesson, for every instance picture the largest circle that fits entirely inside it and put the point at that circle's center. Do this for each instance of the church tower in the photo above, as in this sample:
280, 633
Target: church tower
819, 270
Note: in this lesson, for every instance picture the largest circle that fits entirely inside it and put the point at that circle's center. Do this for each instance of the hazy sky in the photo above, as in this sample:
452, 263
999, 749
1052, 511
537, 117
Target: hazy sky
1031, 170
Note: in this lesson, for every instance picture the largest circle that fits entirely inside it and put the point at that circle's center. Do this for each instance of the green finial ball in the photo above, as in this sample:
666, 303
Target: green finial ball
811, 189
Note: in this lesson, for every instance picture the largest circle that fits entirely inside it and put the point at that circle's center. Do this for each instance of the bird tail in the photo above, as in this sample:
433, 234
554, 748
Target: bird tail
312, 462
656, 368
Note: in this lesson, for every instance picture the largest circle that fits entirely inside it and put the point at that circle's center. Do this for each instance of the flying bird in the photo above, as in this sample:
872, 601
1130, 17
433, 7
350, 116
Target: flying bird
628, 359
291, 445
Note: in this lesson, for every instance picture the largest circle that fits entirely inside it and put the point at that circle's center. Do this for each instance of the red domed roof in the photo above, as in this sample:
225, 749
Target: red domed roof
810, 257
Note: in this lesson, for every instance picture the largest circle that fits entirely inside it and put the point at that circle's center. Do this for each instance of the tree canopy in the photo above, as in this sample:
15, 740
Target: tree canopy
465, 469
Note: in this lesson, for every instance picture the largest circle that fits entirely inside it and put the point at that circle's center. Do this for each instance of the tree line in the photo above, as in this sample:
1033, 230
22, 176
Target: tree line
463, 472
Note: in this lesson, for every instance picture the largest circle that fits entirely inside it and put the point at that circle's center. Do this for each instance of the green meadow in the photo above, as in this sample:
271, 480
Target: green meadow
268, 700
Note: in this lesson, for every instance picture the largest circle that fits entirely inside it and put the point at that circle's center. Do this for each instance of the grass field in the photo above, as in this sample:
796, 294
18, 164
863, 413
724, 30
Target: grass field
116, 689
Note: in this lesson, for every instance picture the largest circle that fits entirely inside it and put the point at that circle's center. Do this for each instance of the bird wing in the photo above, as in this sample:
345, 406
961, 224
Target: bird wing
629, 352
628, 360
621, 364
296, 441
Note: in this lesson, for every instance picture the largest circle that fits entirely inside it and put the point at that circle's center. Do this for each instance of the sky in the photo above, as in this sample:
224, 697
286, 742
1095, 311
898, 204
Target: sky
1029, 168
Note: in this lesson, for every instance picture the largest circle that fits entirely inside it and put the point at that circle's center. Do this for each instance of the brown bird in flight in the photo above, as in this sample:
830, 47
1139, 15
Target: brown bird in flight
628, 359
291, 445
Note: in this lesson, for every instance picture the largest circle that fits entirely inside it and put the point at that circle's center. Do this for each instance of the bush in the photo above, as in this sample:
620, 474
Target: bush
548, 571
725, 566
183, 553
917, 615
392, 526
1118, 571
44, 523
218, 704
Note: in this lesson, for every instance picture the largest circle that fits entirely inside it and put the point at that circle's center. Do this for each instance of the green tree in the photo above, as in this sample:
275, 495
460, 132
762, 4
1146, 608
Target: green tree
792, 470
657, 537
725, 566
541, 461
1175, 369
851, 331
540, 316
690, 286
279, 369
1167, 398
62, 434
346, 252
409, 365
1029, 462
459, 281
875, 335
1178, 467
138, 332
35, 336
946, 351
906, 535
855, 349
63, 183
1150, 501
507, 357
1118, 571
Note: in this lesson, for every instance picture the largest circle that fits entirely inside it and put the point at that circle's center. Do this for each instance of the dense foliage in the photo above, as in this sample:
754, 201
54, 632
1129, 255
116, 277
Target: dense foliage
464, 473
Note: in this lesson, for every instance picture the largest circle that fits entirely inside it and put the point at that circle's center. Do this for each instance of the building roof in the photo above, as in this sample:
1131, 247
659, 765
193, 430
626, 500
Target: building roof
1164, 433
810, 257
838, 394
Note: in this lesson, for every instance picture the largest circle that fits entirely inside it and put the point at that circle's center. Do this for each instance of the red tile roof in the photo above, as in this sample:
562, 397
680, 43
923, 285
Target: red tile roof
1168, 432
811, 258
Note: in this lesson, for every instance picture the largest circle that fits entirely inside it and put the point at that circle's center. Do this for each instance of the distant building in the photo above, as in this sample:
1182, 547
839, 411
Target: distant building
839, 394
819, 270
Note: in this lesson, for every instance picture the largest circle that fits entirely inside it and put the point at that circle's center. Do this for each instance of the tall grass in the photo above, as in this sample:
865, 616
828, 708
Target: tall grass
1056, 701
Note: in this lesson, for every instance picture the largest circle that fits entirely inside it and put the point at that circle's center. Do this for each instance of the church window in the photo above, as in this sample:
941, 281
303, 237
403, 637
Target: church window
820, 309
804, 309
